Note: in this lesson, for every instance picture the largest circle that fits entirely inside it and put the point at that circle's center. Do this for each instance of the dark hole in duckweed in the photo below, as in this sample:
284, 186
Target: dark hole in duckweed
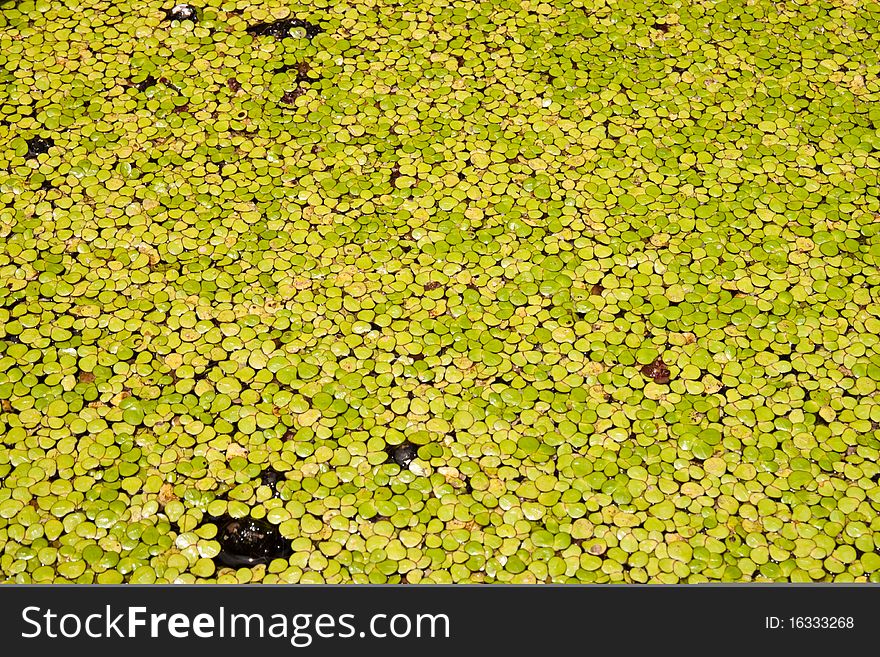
302, 71
271, 477
657, 371
404, 454
168, 83
281, 29
38, 146
182, 12
433, 285
663, 27
234, 85
248, 542
290, 96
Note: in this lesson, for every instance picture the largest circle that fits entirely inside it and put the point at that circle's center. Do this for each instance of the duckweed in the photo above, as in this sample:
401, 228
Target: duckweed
381, 292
